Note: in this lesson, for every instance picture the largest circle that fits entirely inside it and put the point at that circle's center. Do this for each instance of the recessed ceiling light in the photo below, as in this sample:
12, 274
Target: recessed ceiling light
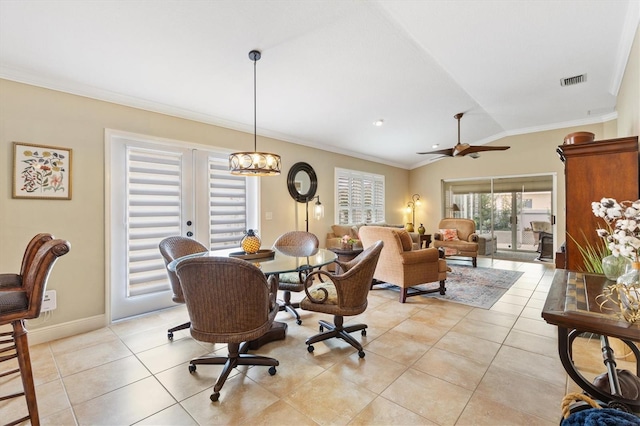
435, 145
378, 123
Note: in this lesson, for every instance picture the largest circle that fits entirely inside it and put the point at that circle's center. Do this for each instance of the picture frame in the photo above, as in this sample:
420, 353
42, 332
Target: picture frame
41, 172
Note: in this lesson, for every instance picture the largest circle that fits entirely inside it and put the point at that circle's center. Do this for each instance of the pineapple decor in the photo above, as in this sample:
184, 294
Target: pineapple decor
251, 242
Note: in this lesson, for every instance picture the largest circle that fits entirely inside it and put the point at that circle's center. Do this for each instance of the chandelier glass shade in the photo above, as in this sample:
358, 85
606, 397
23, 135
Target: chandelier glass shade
254, 163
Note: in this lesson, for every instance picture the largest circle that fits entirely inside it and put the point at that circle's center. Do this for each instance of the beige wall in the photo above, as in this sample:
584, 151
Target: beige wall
35, 115
628, 101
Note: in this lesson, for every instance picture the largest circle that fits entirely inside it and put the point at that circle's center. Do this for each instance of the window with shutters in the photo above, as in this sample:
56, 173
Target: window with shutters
359, 197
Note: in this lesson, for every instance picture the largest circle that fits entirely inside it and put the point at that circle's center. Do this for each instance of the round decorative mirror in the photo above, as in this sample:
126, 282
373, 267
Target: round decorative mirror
302, 182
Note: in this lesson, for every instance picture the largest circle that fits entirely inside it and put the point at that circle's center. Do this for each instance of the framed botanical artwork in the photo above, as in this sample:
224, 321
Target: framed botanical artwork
41, 172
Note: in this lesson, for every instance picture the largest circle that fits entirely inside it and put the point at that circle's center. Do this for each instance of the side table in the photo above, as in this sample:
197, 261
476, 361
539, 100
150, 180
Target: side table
345, 255
425, 239
571, 305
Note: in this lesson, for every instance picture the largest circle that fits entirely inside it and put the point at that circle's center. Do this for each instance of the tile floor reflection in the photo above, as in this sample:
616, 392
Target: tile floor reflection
428, 362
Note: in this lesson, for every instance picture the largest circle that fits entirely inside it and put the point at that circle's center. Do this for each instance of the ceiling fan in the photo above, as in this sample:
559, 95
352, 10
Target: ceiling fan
462, 149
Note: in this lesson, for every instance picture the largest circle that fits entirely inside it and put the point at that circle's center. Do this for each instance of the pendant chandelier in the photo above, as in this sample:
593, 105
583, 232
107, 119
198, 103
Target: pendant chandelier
254, 163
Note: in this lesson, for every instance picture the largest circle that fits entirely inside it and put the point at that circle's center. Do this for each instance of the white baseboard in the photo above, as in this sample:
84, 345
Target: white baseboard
71, 328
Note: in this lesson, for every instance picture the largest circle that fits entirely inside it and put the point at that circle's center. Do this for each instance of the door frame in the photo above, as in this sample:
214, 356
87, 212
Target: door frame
109, 135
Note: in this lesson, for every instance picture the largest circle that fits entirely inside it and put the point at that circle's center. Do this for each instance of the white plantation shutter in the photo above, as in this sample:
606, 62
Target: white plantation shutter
359, 197
227, 205
153, 212
378, 200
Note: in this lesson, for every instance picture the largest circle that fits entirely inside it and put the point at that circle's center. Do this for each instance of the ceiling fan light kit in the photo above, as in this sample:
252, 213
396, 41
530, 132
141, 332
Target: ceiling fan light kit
463, 149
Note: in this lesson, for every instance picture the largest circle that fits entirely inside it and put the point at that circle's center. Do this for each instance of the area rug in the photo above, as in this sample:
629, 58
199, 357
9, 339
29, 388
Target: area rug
478, 287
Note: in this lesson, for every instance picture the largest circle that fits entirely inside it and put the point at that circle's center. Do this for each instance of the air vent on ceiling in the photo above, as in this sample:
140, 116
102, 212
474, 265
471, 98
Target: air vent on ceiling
570, 81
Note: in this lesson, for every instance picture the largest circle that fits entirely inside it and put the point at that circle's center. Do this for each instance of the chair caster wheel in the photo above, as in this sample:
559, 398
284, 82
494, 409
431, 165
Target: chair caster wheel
299, 321
364, 332
192, 368
272, 371
310, 348
170, 335
214, 396
361, 354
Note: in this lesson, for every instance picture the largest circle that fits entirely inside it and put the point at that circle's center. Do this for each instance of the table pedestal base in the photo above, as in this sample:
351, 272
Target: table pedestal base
278, 331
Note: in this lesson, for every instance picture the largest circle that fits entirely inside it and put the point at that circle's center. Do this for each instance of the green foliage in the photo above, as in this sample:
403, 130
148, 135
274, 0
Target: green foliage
592, 255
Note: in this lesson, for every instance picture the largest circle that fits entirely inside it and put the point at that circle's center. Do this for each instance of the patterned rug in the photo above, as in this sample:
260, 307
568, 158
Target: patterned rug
478, 287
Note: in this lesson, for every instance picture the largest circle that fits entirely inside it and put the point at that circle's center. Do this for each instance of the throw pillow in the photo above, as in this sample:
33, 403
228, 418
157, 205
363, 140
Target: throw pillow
449, 234
405, 239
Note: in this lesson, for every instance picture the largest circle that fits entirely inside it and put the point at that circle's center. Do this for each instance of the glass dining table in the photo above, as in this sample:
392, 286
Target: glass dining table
281, 261
275, 262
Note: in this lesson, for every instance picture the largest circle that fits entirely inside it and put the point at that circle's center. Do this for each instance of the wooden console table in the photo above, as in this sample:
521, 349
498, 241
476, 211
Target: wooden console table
571, 306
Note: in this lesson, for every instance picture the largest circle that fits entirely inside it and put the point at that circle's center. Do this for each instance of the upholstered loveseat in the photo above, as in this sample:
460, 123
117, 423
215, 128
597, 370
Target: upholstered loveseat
401, 265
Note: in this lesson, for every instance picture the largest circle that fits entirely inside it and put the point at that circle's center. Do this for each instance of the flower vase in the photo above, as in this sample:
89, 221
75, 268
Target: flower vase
615, 266
629, 293
347, 246
421, 230
251, 242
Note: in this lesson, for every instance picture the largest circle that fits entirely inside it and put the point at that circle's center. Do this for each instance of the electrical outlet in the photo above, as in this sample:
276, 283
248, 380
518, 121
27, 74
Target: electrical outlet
49, 301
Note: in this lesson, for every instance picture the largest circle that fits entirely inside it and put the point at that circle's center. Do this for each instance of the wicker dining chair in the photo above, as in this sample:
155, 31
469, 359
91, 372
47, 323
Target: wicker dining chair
20, 304
171, 249
299, 244
229, 301
342, 295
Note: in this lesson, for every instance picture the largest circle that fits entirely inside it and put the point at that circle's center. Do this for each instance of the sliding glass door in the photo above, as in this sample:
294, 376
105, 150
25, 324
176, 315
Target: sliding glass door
503, 207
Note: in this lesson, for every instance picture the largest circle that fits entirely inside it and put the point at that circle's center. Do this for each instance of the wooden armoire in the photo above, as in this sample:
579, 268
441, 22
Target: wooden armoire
594, 170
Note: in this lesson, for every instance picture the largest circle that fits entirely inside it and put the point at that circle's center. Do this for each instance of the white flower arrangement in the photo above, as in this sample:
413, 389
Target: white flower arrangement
623, 219
623, 239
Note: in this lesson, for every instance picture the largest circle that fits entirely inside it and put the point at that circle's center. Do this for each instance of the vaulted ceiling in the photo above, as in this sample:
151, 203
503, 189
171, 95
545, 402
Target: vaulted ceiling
330, 68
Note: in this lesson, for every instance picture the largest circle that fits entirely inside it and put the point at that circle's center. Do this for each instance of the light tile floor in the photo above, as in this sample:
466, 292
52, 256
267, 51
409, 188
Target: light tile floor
427, 362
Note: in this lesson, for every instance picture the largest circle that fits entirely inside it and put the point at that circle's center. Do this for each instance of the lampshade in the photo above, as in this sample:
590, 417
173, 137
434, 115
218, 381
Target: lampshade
318, 210
254, 163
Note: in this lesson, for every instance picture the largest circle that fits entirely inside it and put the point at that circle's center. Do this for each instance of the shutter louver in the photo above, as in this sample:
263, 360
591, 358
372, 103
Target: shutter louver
153, 212
227, 204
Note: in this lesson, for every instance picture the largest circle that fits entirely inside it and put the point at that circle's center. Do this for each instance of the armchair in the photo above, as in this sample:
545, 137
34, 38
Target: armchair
400, 265
297, 243
171, 248
343, 295
538, 227
229, 301
460, 235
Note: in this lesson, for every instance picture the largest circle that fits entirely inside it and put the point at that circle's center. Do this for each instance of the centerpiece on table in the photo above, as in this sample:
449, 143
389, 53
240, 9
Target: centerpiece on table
348, 242
622, 237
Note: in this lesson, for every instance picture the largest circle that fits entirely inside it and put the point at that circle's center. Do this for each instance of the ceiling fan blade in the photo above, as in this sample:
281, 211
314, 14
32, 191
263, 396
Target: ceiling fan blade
482, 148
448, 152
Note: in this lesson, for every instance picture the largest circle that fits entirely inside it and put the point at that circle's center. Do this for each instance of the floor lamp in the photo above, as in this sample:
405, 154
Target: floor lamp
318, 210
411, 206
